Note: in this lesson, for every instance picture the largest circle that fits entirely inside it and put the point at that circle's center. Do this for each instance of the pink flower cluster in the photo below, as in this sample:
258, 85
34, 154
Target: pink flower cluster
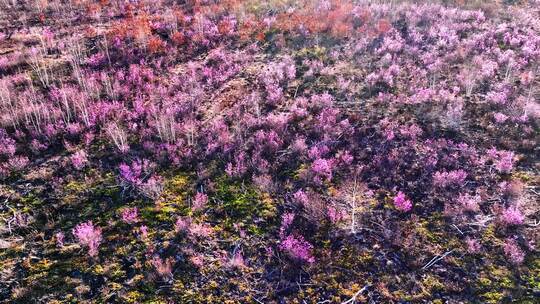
401, 203
88, 235
163, 267
199, 201
512, 216
444, 179
138, 175
469, 203
293, 244
502, 160
79, 159
322, 170
130, 215
297, 248
193, 230
512, 251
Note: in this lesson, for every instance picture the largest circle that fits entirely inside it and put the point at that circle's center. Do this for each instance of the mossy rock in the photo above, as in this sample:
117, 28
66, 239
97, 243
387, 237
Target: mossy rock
177, 184
489, 235
524, 176
76, 187
133, 296
243, 203
107, 187
534, 278
115, 271
425, 230
495, 283
315, 52
432, 284
31, 201
402, 296
298, 173
492, 297
174, 199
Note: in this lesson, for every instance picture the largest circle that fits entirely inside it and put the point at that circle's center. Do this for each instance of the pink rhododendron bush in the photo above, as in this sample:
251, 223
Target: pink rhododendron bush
310, 151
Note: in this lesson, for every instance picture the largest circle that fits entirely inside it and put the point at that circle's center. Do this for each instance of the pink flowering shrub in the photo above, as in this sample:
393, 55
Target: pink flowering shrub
468, 202
18, 163
199, 201
286, 221
200, 230
322, 170
512, 251
274, 75
512, 216
237, 260
138, 175
163, 267
193, 230
335, 215
473, 246
444, 179
89, 236
197, 261
79, 159
401, 203
60, 237
294, 245
297, 248
143, 232
300, 197
130, 215
133, 173
7, 144
238, 167
500, 118
503, 161
182, 224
